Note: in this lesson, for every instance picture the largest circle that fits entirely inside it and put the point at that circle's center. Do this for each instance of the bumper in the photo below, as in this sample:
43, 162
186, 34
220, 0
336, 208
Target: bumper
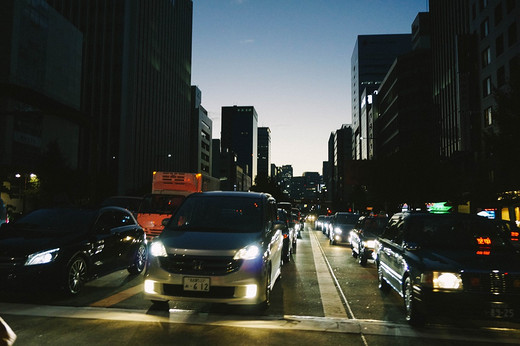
29, 276
246, 286
477, 305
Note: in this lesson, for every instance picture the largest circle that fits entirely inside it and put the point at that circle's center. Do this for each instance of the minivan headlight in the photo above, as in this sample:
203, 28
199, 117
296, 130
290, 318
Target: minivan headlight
247, 253
338, 230
442, 280
42, 257
157, 249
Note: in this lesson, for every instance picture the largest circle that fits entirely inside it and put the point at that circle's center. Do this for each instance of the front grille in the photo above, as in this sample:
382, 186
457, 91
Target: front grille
199, 265
493, 282
214, 292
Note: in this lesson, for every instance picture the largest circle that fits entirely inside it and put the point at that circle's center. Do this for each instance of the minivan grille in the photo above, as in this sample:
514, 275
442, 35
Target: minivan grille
199, 265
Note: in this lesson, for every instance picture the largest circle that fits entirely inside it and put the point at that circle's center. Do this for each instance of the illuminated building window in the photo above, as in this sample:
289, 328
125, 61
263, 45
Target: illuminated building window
488, 117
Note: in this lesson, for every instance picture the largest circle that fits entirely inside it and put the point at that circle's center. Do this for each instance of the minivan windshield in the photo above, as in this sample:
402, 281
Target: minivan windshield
218, 214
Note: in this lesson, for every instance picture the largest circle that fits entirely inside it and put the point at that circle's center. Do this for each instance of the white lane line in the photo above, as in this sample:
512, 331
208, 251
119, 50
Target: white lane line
332, 304
288, 322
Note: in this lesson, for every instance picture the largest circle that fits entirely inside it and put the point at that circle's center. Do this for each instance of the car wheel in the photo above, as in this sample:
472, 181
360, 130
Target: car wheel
362, 259
267, 302
413, 316
294, 247
383, 285
139, 260
332, 241
76, 275
354, 253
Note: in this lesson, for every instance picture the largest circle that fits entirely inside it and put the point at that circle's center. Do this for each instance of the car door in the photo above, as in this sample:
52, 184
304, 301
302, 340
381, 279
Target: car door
125, 231
390, 251
275, 239
106, 242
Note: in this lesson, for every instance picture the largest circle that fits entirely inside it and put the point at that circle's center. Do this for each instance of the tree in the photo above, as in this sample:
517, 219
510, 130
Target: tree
268, 185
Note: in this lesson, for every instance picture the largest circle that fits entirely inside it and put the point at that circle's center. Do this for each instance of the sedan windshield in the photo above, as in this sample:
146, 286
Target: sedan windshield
218, 214
58, 220
452, 232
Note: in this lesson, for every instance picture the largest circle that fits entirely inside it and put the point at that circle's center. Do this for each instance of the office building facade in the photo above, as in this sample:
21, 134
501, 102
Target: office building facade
264, 151
239, 134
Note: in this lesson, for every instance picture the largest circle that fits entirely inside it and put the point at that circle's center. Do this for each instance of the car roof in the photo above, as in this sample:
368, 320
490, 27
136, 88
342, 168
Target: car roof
244, 194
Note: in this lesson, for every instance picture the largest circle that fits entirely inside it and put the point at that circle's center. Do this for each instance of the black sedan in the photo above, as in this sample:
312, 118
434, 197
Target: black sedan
65, 248
451, 265
363, 237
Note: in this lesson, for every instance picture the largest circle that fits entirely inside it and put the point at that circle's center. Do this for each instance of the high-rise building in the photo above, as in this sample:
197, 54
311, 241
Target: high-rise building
239, 134
372, 57
455, 89
264, 151
136, 79
201, 130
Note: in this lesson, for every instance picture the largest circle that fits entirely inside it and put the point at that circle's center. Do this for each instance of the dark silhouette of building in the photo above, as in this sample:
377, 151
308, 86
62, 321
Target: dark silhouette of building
201, 139
264, 151
136, 78
372, 57
239, 134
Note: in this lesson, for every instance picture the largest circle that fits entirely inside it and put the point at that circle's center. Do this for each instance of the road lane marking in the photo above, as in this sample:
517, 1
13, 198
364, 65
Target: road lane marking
286, 322
118, 297
332, 304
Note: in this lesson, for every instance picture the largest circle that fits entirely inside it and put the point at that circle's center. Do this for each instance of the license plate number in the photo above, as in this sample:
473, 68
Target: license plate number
196, 284
501, 311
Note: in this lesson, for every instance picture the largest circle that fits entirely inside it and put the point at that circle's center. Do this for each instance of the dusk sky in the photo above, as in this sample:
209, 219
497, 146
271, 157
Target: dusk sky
290, 59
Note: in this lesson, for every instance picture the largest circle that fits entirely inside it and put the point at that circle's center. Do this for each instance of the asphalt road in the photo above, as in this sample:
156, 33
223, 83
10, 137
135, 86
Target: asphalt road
324, 296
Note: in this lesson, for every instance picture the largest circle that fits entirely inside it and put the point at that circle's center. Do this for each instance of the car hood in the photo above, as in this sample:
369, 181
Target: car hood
470, 260
20, 242
207, 243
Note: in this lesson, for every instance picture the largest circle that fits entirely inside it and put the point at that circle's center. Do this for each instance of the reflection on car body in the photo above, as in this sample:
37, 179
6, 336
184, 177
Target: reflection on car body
363, 237
223, 247
289, 235
449, 264
65, 248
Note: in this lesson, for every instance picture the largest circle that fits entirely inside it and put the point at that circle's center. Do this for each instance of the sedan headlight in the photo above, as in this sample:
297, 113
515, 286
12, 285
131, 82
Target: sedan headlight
442, 280
157, 249
247, 253
338, 230
42, 257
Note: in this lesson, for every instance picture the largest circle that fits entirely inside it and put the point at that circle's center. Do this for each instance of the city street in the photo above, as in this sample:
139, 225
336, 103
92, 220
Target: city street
324, 296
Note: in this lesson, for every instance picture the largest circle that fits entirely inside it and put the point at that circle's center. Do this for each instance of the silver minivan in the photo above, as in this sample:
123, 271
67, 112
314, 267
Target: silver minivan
218, 247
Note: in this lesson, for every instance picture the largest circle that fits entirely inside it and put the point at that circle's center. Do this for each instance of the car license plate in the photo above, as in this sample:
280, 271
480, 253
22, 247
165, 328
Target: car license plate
196, 284
501, 310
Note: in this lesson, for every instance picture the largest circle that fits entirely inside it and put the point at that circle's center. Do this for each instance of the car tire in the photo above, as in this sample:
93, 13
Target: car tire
332, 241
382, 284
267, 302
139, 260
294, 247
76, 276
413, 316
354, 253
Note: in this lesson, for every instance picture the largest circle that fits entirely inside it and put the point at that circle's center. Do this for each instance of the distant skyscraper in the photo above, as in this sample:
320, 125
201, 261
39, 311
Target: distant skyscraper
372, 57
201, 130
264, 151
239, 134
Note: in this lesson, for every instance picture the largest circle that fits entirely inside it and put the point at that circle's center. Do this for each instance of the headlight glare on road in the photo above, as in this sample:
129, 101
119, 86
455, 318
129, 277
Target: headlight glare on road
157, 249
442, 280
247, 253
42, 257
